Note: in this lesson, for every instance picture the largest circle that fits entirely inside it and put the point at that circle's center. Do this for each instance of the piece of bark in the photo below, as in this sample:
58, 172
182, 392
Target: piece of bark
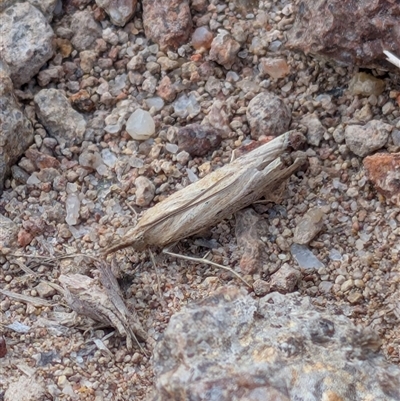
102, 303
213, 198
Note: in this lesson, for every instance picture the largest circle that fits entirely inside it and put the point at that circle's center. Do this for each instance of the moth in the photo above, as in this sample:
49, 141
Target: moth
213, 198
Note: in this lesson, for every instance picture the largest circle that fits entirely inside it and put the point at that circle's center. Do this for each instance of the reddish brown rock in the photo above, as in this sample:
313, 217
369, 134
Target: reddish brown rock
167, 22
199, 5
166, 90
35, 226
274, 67
41, 160
383, 170
24, 238
198, 139
3, 347
350, 32
224, 50
64, 47
249, 230
82, 102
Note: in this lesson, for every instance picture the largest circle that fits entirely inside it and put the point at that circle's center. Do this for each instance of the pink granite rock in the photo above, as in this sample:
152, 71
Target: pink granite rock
167, 22
224, 49
383, 170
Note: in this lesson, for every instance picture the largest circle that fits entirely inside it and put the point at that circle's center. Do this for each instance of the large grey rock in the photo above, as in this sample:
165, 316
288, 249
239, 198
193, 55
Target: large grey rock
350, 32
16, 132
27, 41
47, 7
231, 347
59, 118
120, 11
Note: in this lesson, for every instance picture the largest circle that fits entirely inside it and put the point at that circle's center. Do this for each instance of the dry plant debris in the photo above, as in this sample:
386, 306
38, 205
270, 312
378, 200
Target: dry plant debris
101, 300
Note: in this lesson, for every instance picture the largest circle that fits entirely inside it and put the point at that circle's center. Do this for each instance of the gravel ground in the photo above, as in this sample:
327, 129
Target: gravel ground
358, 244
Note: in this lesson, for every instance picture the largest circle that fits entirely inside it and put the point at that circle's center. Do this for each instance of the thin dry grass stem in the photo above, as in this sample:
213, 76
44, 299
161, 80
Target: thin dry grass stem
25, 268
26, 298
207, 262
52, 258
26, 255
153, 261
132, 209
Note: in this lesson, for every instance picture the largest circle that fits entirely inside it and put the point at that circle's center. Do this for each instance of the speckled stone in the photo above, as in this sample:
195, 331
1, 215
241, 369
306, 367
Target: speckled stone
8, 232
27, 41
120, 11
168, 23
59, 118
267, 115
230, 347
285, 279
224, 49
364, 139
85, 30
198, 140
